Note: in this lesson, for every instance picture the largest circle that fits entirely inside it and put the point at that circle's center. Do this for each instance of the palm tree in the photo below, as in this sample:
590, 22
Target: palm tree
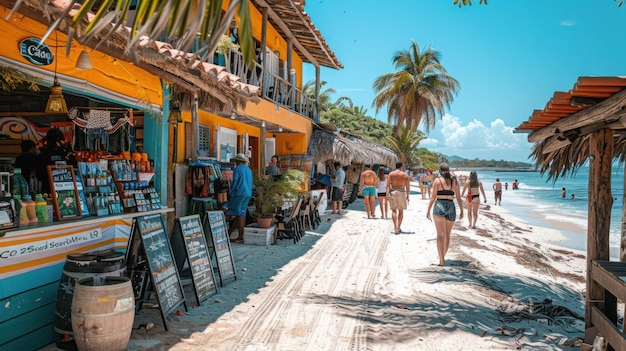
181, 21
418, 91
405, 143
325, 103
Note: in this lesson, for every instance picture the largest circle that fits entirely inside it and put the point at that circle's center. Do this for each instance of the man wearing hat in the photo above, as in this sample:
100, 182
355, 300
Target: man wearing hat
240, 193
497, 191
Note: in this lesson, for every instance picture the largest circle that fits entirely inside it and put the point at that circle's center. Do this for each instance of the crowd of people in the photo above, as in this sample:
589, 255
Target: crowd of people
442, 188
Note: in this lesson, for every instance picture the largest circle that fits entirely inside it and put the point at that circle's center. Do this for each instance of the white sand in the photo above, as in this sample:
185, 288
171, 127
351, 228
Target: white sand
352, 284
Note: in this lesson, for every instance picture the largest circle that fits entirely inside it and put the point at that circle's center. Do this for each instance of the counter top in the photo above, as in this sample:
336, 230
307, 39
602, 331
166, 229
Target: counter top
11, 232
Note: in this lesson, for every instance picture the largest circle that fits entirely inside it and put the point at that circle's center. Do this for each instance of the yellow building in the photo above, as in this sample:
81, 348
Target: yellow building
136, 90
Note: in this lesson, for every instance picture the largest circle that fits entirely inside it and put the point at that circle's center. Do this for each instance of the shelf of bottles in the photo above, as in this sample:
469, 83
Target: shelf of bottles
99, 189
133, 185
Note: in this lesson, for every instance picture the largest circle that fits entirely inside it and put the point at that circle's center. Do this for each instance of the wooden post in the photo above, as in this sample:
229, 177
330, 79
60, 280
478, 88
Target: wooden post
599, 208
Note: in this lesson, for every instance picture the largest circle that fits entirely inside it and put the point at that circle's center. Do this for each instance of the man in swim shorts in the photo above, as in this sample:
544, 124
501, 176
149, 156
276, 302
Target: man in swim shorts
398, 190
424, 185
497, 191
369, 182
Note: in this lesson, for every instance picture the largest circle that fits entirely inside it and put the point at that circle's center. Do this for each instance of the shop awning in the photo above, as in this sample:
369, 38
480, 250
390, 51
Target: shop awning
560, 131
216, 89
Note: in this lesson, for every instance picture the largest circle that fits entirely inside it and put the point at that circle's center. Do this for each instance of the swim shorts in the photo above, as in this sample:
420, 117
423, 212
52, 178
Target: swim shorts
369, 190
397, 200
336, 195
445, 209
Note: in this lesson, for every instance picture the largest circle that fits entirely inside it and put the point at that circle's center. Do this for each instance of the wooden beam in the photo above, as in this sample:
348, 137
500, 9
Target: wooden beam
608, 330
281, 24
593, 114
599, 212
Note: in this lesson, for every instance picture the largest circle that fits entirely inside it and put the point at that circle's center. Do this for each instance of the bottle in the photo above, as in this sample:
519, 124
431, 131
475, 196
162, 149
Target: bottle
23, 213
17, 203
29, 204
20, 185
49, 207
40, 209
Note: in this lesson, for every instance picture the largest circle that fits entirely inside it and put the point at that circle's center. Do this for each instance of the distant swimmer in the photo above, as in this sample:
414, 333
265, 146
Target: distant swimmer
572, 197
563, 192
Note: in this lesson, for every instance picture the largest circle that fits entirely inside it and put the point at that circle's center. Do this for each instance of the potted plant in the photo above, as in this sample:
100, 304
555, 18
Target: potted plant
271, 193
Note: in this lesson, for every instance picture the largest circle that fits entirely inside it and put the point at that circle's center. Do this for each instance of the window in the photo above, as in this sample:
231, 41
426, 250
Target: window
204, 141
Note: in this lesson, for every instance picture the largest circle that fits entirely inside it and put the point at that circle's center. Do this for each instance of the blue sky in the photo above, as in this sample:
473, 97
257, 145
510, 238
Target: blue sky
509, 58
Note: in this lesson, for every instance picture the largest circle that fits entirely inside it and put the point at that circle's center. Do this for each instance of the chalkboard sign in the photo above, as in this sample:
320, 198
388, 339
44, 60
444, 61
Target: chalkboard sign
216, 224
64, 192
197, 253
161, 264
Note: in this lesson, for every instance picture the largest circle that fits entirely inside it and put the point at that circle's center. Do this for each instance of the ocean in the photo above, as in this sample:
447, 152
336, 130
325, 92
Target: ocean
539, 202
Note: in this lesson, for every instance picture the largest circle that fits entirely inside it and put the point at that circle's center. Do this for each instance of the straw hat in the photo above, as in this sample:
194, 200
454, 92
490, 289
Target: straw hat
240, 158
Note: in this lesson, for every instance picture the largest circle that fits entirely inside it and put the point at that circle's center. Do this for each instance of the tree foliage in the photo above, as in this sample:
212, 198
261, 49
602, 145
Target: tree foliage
404, 142
418, 91
12, 79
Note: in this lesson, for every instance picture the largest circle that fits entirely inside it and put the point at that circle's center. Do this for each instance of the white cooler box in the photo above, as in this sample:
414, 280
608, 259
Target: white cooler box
253, 235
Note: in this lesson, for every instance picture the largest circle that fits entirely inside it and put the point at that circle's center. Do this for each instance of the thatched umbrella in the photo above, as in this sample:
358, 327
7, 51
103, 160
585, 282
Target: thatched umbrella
326, 145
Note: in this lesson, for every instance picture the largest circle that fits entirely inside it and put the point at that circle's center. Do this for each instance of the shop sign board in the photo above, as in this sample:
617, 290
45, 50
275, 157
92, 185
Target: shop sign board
64, 192
160, 261
219, 242
36, 52
191, 236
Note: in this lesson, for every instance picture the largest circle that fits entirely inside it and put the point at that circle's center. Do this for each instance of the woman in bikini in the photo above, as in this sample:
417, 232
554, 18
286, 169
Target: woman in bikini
445, 189
382, 192
475, 187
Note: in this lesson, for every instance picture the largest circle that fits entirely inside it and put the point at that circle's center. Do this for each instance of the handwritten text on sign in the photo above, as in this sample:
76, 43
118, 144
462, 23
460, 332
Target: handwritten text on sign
38, 247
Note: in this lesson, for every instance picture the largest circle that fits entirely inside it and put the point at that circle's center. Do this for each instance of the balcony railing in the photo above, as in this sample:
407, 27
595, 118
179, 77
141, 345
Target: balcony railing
274, 88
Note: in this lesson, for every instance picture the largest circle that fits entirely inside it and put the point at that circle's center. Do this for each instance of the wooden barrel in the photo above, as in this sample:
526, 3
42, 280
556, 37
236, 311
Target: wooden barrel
103, 315
98, 265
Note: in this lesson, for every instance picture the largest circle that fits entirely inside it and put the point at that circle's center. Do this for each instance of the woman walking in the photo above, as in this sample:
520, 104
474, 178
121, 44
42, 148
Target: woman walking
382, 192
475, 187
445, 189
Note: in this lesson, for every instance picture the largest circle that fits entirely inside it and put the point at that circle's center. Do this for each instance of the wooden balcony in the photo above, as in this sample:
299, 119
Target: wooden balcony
274, 88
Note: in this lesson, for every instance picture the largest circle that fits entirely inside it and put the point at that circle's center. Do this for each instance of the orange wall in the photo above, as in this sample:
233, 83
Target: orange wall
121, 76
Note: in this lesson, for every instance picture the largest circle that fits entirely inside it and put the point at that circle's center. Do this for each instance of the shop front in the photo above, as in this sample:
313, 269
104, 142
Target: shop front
112, 120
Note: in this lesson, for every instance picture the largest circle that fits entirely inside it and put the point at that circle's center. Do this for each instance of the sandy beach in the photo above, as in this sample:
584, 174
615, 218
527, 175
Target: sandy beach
351, 284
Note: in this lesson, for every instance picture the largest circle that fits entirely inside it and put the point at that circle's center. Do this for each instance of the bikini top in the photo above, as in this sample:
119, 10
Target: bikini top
445, 192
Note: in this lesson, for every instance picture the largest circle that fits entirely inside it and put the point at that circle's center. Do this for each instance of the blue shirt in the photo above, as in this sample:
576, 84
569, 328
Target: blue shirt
340, 175
242, 181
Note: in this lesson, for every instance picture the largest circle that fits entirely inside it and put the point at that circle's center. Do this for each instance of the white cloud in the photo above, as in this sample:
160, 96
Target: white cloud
568, 23
477, 140
429, 142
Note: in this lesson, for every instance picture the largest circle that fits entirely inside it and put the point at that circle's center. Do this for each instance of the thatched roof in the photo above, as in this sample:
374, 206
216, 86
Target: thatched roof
561, 131
290, 19
217, 91
326, 145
